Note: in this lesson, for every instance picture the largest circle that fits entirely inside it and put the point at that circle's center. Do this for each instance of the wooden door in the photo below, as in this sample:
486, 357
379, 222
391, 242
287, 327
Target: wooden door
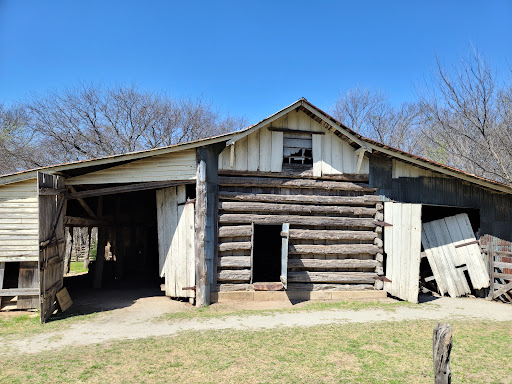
176, 241
51, 240
402, 245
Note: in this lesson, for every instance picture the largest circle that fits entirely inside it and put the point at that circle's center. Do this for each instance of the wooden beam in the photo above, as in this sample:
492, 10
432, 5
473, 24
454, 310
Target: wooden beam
296, 220
303, 174
235, 246
502, 290
331, 277
293, 183
289, 130
82, 202
19, 292
301, 199
85, 222
51, 191
234, 261
234, 275
235, 231
127, 188
294, 208
343, 249
332, 263
330, 287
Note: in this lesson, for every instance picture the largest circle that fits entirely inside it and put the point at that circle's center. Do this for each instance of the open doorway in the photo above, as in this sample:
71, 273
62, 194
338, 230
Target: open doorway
266, 256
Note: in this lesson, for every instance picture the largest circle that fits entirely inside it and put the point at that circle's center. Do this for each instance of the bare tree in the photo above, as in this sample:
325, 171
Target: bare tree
467, 119
88, 121
371, 114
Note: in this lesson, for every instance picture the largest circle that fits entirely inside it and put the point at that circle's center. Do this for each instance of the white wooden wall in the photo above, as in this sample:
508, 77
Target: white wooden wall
262, 150
19, 222
402, 244
401, 169
176, 241
179, 165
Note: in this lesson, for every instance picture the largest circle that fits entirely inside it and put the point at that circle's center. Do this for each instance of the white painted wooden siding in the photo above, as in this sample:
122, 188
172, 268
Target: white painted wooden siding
402, 244
176, 241
263, 150
19, 222
179, 165
401, 169
440, 238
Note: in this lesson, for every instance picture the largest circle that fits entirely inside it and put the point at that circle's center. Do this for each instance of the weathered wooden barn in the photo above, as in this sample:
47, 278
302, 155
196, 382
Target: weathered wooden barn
296, 205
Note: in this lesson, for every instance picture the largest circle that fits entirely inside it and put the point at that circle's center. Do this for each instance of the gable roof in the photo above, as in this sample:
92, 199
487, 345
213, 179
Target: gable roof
314, 112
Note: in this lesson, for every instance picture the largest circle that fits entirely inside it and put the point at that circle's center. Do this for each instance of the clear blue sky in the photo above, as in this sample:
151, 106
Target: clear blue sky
247, 58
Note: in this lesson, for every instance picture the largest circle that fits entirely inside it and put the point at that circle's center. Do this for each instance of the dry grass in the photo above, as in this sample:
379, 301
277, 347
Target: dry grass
350, 353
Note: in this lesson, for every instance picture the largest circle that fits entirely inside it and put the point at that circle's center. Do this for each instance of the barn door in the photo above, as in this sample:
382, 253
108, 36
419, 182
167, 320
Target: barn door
51, 240
176, 241
402, 244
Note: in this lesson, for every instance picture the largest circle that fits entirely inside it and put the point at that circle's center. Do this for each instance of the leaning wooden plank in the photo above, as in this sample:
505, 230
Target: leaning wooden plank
504, 289
293, 183
331, 277
296, 220
324, 234
234, 275
433, 263
477, 269
235, 231
230, 206
343, 249
504, 276
305, 199
329, 287
332, 263
235, 246
234, 262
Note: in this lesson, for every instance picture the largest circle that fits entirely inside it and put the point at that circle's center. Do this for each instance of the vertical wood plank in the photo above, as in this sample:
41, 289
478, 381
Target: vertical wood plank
316, 142
265, 149
388, 245
405, 251
397, 248
241, 154
337, 154
2, 273
349, 158
284, 255
253, 149
326, 153
415, 253
276, 162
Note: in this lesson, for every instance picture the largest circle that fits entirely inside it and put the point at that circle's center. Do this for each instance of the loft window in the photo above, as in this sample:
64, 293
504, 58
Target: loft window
297, 149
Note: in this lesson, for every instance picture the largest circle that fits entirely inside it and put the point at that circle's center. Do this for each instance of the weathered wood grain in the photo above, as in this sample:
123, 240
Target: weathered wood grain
235, 231
297, 220
234, 262
301, 199
332, 263
235, 246
331, 277
293, 183
341, 249
234, 275
323, 234
229, 206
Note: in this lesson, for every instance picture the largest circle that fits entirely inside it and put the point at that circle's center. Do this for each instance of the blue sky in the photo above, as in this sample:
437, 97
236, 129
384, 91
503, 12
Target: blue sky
247, 58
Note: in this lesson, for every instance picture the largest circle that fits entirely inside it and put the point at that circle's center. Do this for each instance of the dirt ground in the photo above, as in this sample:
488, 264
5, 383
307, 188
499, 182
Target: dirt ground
132, 314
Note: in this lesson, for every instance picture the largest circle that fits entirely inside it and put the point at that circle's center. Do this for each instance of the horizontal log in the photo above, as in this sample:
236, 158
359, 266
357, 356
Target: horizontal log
500, 264
296, 220
329, 287
323, 234
331, 277
333, 263
358, 178
234, 287
302, 199
503, 253
230, 206
234, 275
341, 249
235, 246
19, 292
234, 262
293, 183
235, 231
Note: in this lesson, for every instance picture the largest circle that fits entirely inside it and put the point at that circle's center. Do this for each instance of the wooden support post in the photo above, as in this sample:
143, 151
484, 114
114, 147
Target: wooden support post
68, 249
88, 249
490, 253
206, 226
100, 253
442, 346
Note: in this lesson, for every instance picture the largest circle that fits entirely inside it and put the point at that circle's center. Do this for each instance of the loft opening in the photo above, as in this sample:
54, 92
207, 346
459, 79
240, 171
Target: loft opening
266, 262
297, 150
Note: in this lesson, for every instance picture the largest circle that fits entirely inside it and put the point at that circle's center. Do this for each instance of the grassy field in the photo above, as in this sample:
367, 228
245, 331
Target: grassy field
346, 353
77, 267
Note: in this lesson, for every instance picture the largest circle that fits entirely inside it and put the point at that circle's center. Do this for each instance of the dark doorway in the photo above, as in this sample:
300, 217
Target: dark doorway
267, 253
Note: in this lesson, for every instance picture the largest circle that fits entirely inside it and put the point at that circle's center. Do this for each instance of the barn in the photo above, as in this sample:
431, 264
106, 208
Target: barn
296, 206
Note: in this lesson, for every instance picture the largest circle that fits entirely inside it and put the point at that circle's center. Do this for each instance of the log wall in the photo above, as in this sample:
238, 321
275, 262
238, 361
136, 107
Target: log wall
335, 240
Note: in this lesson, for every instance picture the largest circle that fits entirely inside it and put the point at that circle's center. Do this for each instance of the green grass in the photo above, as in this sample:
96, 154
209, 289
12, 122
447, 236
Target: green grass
77, 267
219, 312
27, 324
388, 352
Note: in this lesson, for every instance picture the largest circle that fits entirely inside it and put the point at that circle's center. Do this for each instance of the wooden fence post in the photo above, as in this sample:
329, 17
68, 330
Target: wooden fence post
442, 346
